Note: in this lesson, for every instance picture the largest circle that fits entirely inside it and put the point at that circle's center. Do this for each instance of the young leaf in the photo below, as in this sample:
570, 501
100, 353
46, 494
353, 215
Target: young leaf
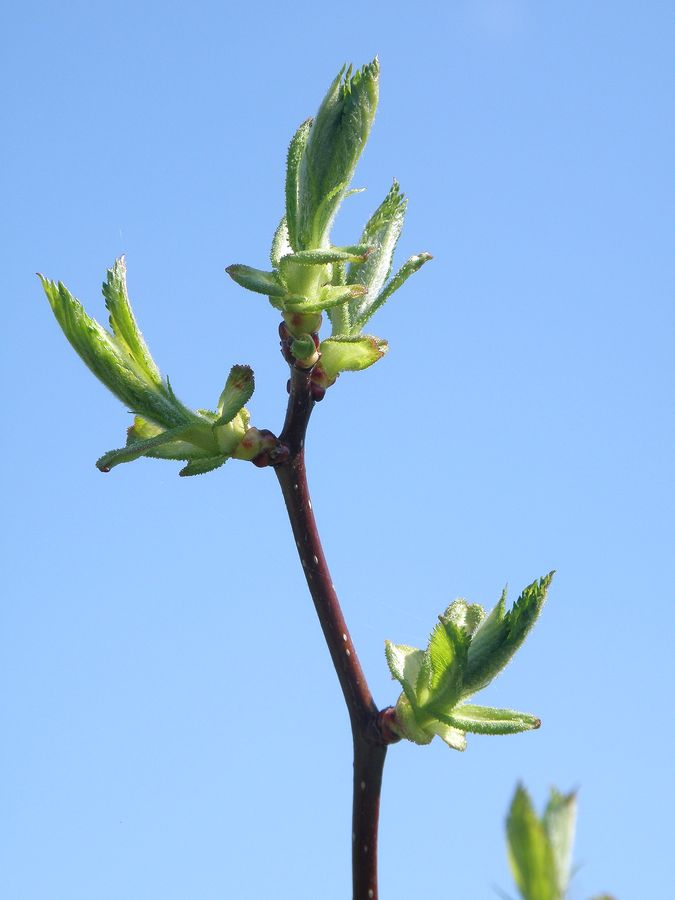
123, 322
382, 232
501, 634
109, 358
488, 720
529, 850
346, 354
280, 244
293, 159
256, 280
142, 430
137, 449
202, 466
405, 664
328, 296
559, 823
334, 144
407, 269
453, 737
440, 681
238, 390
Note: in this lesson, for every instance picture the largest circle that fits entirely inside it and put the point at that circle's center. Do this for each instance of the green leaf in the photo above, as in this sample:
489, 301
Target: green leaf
405, 664
238, 390
109, 358
440, 681
530, 854
488, 720
466, 616
123, 322
280, 244
139, 448
328, 296
143, 430
328, 255
335, 141
295, 152
382, 232
407, 269
202, 466
559, 822
501, 634
347, 354
453, 737
256, 280
407, 725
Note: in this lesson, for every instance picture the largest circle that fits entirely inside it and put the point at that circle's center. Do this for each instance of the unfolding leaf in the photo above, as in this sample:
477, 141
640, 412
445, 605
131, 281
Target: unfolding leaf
488, 720
202, 466
382, 232
407, 269
405, 664
440, 681
328, 296
140, 448
109, 358
501, 634
293, 159
559, 822
256, 280
238, 390
123, 321
335, 142
530, 854
280, 244
345, 354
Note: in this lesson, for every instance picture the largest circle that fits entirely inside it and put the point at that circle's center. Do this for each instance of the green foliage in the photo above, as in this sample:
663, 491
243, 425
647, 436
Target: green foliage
466, 651
163, 428
309, 274
540, 848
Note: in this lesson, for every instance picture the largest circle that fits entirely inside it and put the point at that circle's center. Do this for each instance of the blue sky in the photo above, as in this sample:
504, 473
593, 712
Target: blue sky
173, 728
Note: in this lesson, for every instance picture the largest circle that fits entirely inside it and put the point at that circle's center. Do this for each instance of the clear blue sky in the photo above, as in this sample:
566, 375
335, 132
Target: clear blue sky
172, 725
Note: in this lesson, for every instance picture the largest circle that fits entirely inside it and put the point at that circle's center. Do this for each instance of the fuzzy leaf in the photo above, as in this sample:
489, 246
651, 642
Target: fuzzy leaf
530, 854
407, 725
501, 634
295, 152
143, 430
382, 232
440, 681
328, 296
238, 390
202, 466
453, 737
405, 664
335, 141
329, 255
346, 354
488, 720
466, 616
280, 244
407, 269
136, 449
559, 823
109, 358
256, 280
123, 322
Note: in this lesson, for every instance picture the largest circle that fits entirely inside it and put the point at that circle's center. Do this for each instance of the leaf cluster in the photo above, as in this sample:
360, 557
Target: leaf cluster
465, 652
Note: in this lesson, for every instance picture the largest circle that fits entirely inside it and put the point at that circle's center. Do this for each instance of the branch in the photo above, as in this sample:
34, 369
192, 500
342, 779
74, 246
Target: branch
369, 726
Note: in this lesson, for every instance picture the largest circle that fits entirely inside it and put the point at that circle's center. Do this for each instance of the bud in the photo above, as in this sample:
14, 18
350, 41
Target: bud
465, 652
333, 146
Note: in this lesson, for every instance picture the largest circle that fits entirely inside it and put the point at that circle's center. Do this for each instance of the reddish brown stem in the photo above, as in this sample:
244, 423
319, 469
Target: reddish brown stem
369, 730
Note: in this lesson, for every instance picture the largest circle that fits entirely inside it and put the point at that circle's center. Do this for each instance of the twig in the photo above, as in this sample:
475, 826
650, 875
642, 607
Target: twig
369, 726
